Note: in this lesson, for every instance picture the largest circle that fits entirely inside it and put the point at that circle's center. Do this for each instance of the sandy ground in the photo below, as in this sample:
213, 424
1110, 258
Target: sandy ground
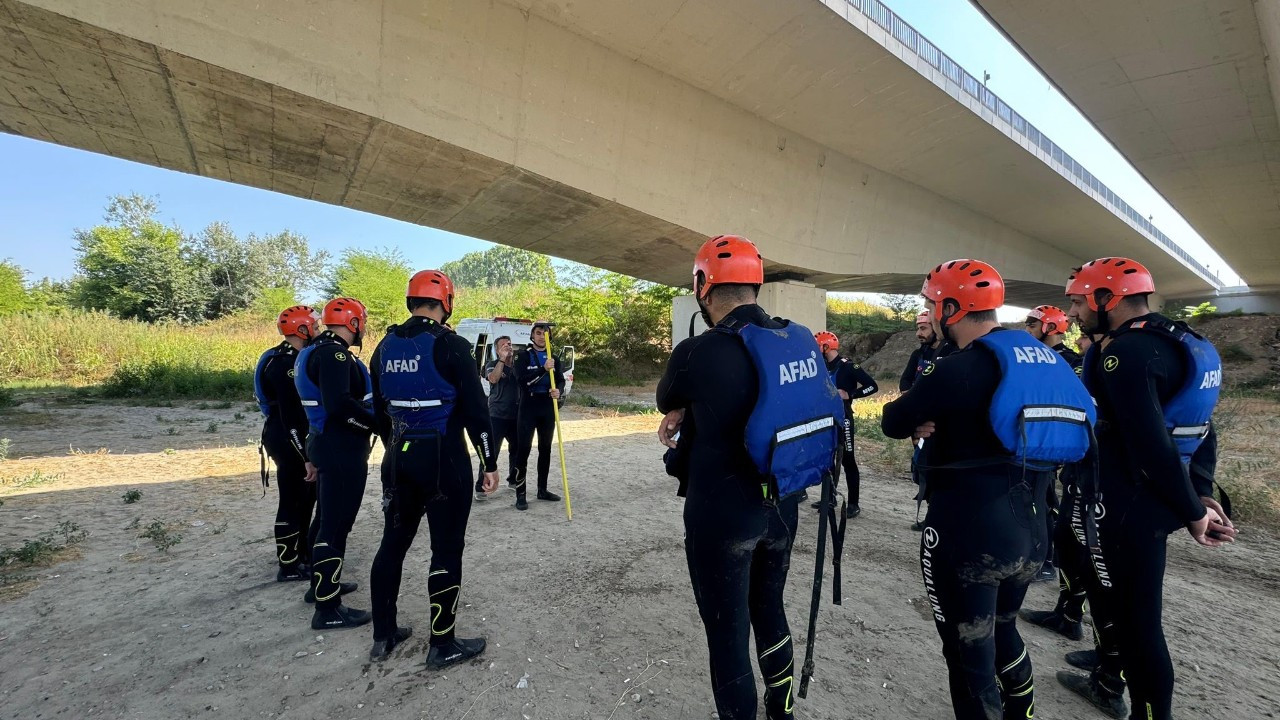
590, 615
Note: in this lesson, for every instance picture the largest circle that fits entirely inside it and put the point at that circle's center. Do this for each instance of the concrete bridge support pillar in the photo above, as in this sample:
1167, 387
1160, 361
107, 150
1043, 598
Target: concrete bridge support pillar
790, 299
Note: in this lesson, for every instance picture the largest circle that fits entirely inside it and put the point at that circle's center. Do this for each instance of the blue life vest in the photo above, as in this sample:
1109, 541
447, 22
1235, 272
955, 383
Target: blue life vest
309, 391
282, 350
419, 400
1187, 413
536, 362
793, 431
1040, 411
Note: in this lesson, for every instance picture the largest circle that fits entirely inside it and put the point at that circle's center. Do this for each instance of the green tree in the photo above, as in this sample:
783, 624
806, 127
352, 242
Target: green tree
50, 294
13, 289
500, 266
377, 278
240, 271
136, 267
903, 307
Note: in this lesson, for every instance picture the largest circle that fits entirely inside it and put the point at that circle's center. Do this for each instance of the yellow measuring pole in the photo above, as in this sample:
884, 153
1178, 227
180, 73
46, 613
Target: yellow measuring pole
555, 409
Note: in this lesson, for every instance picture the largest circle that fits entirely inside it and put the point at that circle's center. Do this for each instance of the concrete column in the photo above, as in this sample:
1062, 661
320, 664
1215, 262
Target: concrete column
792, 300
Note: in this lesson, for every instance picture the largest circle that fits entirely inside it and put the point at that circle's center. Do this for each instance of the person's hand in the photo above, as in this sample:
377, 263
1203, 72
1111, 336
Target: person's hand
312, 473
554, 393
505, 356
924, 430
550, 364
1211, 523
490, 482
669, 426
1213, 505
843, 395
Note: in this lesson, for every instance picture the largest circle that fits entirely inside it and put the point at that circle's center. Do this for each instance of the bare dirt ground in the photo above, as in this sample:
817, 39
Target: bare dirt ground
592, 619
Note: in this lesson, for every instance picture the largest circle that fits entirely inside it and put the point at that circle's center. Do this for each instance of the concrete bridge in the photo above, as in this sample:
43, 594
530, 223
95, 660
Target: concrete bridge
614, 133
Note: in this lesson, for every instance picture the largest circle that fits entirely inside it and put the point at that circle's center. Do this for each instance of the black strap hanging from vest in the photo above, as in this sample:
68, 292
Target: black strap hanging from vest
262, 468
826, 514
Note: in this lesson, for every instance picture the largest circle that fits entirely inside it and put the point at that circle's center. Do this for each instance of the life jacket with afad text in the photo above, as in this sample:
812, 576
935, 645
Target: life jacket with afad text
1188, 413
419, 401
1040, 411
792, 434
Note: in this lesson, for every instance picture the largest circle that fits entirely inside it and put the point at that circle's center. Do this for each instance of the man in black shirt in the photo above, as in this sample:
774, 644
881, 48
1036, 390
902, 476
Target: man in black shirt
851, 382
284, 431
536, 413
337, 395
923, 355
503, 408
1156, 383
981, 543
426, 395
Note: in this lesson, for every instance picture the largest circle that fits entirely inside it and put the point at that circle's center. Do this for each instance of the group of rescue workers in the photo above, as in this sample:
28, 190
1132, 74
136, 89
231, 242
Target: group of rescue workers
998, 417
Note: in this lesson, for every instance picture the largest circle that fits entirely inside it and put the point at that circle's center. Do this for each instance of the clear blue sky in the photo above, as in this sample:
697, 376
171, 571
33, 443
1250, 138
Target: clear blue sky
47, 191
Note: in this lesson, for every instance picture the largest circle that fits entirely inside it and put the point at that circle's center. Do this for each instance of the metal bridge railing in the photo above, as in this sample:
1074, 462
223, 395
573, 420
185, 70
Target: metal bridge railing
909, 36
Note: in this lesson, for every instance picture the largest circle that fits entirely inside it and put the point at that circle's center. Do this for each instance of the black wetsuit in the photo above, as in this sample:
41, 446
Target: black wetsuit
1146, 495
983, 538
738, 547
504, 410
284, 435
428, 475
340, 453
920, 357
536, 415
851, 378
1073, 359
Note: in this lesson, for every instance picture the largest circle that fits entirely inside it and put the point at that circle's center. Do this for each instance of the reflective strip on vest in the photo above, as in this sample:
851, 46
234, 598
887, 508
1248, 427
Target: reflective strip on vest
1033, 414
804, 429
415, 404
310, 403
1196, 431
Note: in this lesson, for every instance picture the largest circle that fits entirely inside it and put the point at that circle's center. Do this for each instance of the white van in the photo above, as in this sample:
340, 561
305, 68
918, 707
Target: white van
481, 333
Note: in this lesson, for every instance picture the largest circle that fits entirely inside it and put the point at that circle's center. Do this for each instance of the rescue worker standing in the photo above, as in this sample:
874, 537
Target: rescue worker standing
426, 395
503, 408
923, 355
336, 394
851, 382
1049, 324
722, 392
1156, 383
997, 415
284, 432
533, 366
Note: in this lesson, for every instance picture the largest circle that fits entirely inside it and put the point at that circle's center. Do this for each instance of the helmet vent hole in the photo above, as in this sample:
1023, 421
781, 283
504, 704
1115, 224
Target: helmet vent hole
1130, 271
724, 255
975, 273
983, 283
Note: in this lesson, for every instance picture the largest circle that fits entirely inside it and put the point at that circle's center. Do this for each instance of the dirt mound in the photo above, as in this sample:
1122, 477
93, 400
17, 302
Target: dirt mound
1249, 346
889, 360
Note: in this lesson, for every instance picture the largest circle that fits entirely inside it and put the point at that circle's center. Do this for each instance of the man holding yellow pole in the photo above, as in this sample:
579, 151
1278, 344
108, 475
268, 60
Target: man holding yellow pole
540, 378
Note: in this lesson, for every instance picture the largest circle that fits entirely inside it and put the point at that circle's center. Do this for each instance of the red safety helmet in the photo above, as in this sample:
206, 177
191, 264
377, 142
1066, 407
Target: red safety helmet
1119, 276
1050, 315
726, 260
349, 313
434, 285
923, 318
972, 284
827, 341
299, 321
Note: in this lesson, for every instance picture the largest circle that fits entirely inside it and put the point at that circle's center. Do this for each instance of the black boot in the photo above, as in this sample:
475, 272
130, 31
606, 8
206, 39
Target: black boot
852, 512
1083, 659
1113, 705
455, 651
1055, 621
292, 573
339, 616
343, 589
1046, 573
382, 648
543, 494
521, 502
